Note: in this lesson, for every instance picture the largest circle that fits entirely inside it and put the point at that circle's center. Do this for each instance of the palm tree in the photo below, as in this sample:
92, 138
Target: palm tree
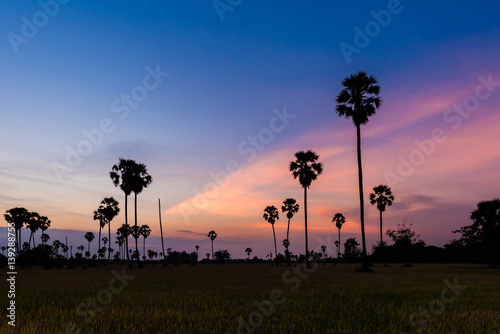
44, 224
212, 235
359, 100
33, 224
135, 231
145, 231
89, 236
102, 223
121, 175
17, 217
307, 170
291, 207
45, 237
124, 232
197, 247
140, 179
248, 251
382, 196
108, 210
339, 220
271, 215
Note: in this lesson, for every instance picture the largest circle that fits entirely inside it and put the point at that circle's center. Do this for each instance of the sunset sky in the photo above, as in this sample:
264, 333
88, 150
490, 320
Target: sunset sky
216, 99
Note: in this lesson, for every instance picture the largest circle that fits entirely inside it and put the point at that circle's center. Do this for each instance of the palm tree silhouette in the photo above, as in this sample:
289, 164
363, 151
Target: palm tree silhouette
33, 224
307, 170
248, 251
271, 215
382, 196
124, 232
135, 231
197, 248
45, 237
145, 231
102, 223
212, 235
358, 101
291, 207
44, 224
121, 175
140, 179
18, 217
339, 220
89, 236
108, 210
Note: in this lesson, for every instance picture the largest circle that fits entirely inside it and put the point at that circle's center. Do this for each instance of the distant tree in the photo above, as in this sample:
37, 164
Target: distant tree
306, 169
107, 211
323, 251
135, 231
351, 250
286, 244
271, 215
222, 256
56, 245
248, 251
145, 232
89, 236
382, 197
212, 235
45, 237
102, 223
404, 239
18, 217
208, 256
197, 248
483, 236
33, 224
339, 220
124, 231
44, 224
358, 100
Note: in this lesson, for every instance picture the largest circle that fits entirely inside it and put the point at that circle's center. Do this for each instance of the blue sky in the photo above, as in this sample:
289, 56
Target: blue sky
225, 78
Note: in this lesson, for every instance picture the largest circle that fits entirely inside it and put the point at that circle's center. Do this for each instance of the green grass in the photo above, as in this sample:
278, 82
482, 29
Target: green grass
212, 299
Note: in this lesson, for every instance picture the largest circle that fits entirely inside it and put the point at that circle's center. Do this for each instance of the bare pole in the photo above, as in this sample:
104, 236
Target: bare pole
161, 231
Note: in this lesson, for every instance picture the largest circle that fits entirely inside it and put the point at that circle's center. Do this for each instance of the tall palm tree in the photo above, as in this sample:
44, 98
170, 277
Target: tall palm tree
358, 100
291, 207
307, 170
89, 236
102, 223
145, 231
271, 215
17, 217
382, 196
44, 225
212, 235
248, 251
33, 224
124, 232
339, 220
140, 179
135, 231
121, 175
108, 210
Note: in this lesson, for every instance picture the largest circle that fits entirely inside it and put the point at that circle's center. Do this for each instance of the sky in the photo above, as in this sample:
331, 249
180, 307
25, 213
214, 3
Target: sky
216, 97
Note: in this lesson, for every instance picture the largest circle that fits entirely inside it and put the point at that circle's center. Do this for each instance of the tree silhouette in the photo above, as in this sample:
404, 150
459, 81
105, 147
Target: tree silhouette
483, 235
248, 251
102, 223
107, 211
89, 236
307, 170
358, 100
33, 224
121, 175
271, 215
382, 197
197, 248
404, 239
212, 235
140, 179
291, 207
339, 220
135, 231
124, 232
145, 232
18, 217
44, 224
45, 237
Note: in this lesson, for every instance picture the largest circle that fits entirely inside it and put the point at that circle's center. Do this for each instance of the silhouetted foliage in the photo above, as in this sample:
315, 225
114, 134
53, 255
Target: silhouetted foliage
405, 240
351, 250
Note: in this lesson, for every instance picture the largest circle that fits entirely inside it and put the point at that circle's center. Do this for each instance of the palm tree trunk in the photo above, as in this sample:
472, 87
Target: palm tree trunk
109, 235
361, 201
126, 236
212, 250
275, 248
288, 230
144, 248
380, 228
305, 221
99, 245
34, 244
136, 247
161, 232
338, 252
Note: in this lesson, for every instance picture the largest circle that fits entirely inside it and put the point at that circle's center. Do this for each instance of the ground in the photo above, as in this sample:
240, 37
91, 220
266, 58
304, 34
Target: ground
258, 298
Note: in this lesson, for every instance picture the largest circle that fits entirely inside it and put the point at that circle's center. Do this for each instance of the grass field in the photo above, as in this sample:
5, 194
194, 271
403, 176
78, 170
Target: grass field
258, 298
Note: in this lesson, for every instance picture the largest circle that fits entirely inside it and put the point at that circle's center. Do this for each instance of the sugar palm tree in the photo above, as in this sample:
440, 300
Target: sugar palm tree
307, 170
125, 231
121, 175
248, 251
212, 235
140, 179
89, 236
271, 215
145, 231
44, 224
135, 231
102, 223
108, 210
17, 217
382, 197
33, 224
339, 220
358, 100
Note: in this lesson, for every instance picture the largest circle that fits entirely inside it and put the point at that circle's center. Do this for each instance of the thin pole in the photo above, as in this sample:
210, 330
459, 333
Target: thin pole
161, 230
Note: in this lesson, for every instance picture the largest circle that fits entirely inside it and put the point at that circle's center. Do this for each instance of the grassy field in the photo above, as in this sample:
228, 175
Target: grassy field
258, 298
